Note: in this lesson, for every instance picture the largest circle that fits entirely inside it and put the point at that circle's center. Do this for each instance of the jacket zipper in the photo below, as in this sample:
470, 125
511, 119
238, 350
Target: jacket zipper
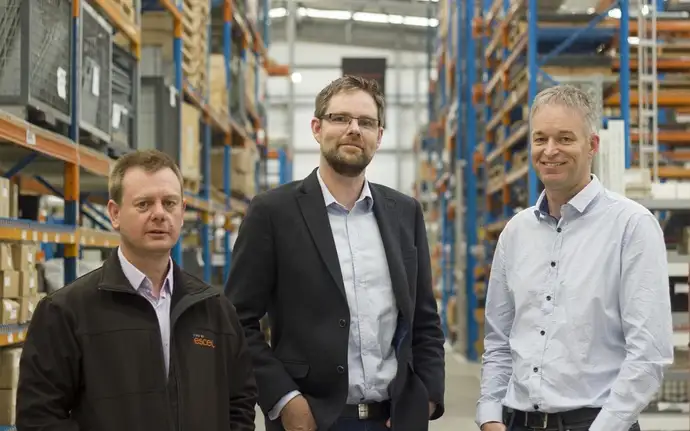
185, 303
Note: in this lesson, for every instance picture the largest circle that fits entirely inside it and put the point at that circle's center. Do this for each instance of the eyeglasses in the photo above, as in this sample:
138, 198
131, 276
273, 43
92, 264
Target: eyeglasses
345, 119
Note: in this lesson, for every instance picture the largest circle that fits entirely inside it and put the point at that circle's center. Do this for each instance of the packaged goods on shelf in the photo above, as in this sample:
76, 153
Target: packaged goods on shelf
96, 92
242, 170
218, 91
160, 106
124, 124
34, 73
9, 379
190, 162
159, 119
18, 282
157, 31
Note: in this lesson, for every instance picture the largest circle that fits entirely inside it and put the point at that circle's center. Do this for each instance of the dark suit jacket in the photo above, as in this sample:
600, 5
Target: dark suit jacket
285, 264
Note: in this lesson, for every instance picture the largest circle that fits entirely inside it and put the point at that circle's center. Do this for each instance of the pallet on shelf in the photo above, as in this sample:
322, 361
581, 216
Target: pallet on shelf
190, 163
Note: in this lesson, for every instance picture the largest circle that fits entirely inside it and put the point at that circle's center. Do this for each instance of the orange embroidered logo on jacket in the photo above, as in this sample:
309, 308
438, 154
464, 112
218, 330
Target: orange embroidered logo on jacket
202, 341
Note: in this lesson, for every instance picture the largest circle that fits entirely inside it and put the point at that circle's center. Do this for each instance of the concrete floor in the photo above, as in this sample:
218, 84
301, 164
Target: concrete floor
462, 389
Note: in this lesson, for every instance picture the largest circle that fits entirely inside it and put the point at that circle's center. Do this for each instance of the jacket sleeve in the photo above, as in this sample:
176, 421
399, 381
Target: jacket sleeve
240, 371
249, 287
49, 371
427, 336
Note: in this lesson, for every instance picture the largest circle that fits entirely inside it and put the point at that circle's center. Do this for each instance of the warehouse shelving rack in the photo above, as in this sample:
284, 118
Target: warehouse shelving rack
469, 75
45, 162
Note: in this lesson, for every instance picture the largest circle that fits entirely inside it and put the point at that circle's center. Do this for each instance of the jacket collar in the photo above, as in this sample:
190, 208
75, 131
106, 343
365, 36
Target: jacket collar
114, 279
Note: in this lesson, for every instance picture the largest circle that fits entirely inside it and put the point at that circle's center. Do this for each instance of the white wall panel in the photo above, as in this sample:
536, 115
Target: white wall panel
402, 118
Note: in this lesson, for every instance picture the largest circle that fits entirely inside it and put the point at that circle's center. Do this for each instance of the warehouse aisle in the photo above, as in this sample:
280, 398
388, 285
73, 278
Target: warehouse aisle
462, 389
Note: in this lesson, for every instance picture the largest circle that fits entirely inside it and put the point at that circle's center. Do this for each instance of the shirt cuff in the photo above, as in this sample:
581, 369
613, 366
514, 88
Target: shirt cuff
278, 408
489, 412
607, 421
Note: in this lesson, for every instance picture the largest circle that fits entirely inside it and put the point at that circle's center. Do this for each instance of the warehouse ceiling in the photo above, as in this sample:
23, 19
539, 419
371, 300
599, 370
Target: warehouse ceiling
401, 24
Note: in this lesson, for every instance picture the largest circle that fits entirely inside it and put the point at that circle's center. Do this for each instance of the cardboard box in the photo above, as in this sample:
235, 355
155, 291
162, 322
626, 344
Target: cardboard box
26, 308
5, 201
9, 312
24, 256
6, 260
8, 405
9, 367
28, 283
9, 284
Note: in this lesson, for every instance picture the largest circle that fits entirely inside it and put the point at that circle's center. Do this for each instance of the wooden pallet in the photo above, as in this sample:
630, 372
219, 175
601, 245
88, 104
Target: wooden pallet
520, 159
127, 8
192, 184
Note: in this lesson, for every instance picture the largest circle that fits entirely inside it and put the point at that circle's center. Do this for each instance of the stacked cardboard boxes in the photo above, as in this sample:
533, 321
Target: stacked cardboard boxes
9, 199
9, 377
242, 172
18, 282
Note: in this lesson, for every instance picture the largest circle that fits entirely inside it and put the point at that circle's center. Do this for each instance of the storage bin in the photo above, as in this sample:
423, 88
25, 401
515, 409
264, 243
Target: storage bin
159, 117
35, 60
124, 115
96, 94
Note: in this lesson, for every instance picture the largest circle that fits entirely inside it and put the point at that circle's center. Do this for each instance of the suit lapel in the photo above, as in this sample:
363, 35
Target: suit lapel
313, 209
388, 219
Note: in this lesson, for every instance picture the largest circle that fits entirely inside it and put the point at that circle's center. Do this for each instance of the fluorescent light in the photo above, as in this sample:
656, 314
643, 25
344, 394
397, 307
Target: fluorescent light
343, 15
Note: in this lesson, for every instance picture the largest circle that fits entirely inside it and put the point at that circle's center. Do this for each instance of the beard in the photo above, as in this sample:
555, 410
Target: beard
350, 165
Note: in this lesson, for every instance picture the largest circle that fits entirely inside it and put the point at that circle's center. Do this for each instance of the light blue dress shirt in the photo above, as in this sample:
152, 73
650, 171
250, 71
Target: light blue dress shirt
578, 311
161, 304
372, 363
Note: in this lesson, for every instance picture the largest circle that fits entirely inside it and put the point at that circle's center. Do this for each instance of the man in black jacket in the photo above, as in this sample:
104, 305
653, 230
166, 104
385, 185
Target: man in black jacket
137, 344
342, 267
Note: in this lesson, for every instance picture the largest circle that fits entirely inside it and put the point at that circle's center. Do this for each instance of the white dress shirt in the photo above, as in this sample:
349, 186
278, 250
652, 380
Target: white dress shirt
578, 311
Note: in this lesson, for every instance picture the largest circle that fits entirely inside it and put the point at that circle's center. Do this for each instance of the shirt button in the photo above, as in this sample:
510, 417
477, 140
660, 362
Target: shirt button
559, 230
340, 369
553, 264
542, 332
535, 369
536, 407
548, 298
342, 323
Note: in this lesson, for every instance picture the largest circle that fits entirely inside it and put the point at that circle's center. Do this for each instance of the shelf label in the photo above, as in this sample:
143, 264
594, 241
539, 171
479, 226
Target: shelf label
61, 83
30, 137
10, 338
96, 80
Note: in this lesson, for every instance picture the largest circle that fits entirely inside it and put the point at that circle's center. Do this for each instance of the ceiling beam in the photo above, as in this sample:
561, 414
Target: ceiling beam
354, 33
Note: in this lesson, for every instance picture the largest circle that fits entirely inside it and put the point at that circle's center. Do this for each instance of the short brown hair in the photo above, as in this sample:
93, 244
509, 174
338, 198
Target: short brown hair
149, 160
349, 83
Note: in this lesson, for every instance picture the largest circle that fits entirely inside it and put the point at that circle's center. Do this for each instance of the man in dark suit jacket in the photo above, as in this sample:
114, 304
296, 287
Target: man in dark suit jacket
342, 268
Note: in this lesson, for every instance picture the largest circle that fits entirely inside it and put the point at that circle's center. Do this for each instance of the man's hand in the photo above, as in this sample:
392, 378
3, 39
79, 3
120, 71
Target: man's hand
432, 409
296, 415
493, 426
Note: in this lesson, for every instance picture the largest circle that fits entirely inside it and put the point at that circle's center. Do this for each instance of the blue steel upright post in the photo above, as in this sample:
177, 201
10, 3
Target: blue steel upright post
227, 148
71, 172
471, 179
624, 78
177, 60
206, 216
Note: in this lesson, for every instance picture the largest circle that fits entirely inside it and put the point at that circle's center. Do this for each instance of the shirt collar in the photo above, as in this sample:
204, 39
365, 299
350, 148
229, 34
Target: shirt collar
329, 199
136, 278
580, 201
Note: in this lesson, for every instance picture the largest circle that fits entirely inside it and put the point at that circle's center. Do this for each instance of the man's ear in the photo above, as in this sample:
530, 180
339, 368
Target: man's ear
114, 214
316, 129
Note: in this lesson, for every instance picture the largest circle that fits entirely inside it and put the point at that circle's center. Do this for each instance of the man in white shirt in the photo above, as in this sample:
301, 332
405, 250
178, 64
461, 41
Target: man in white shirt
578, 315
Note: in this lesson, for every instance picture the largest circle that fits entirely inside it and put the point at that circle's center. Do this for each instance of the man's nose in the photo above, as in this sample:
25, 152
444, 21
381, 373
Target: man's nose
551, 147
353, 127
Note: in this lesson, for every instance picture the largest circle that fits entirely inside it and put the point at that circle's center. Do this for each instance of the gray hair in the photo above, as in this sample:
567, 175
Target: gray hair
571, 97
